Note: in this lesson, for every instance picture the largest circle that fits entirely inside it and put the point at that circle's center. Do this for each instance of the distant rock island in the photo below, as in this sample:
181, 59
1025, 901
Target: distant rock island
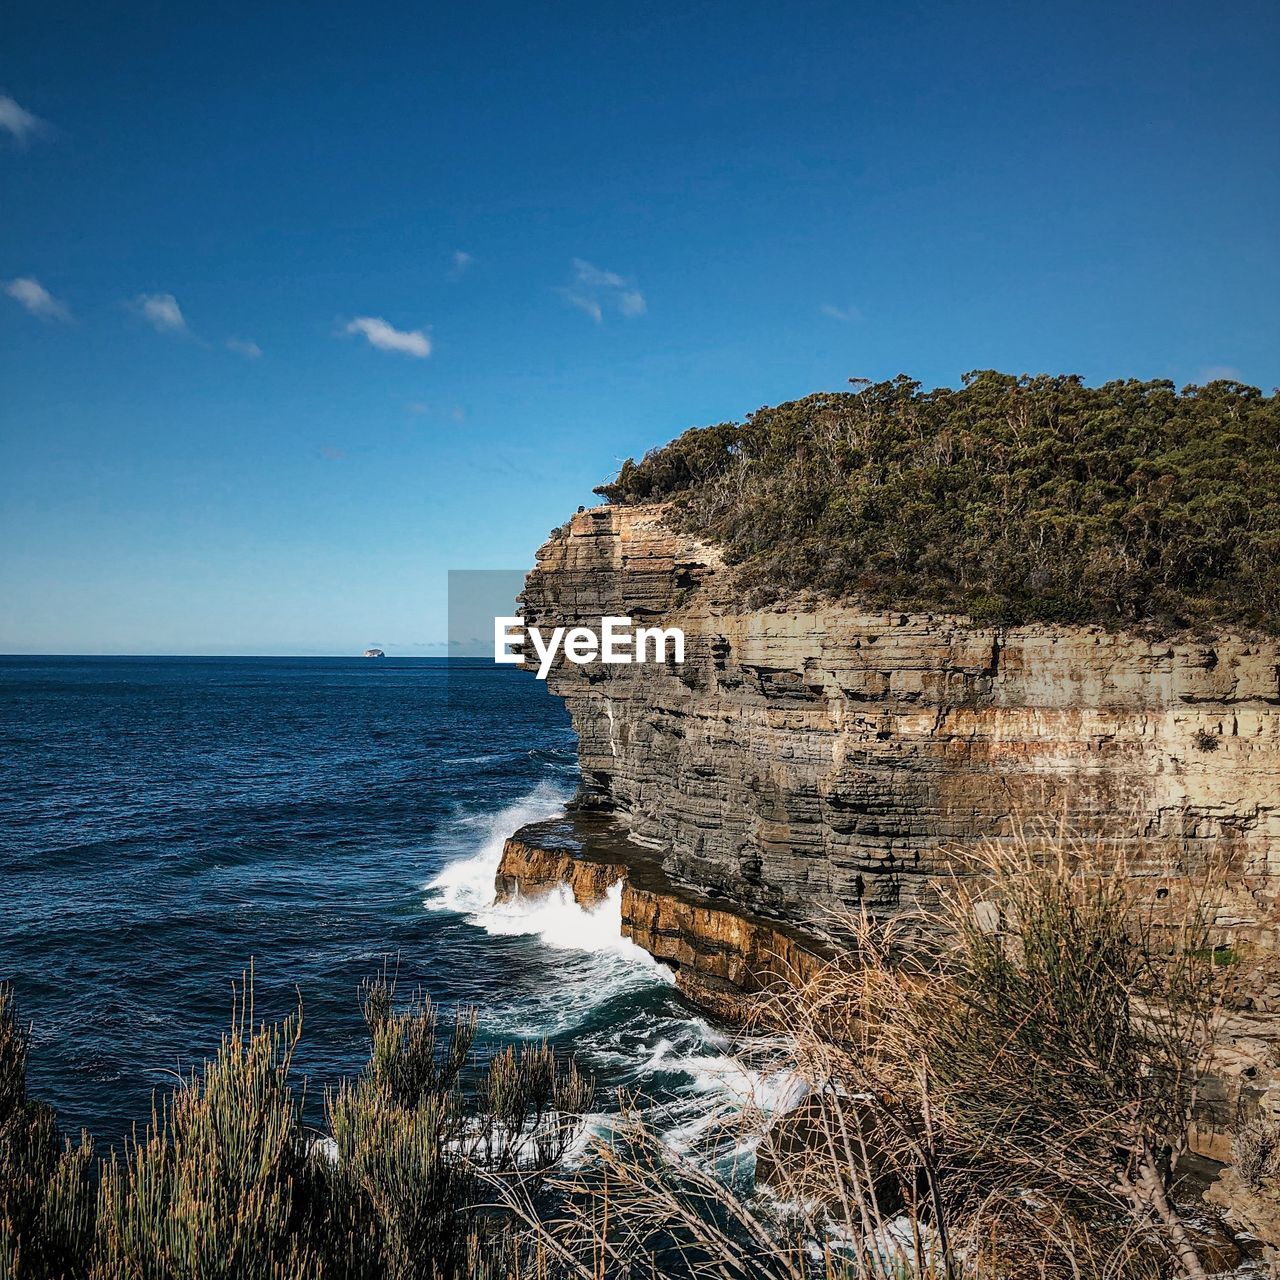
373, 653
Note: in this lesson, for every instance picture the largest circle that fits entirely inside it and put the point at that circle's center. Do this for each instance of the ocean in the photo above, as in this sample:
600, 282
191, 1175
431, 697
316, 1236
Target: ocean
167, 822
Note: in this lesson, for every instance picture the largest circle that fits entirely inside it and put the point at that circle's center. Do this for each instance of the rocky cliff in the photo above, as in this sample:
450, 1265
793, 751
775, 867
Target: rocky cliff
808, 759
720, 952
802, 760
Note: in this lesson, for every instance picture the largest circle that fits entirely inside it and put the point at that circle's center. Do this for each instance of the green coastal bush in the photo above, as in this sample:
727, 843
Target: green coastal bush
1011, 499
46, 1192
226, 1181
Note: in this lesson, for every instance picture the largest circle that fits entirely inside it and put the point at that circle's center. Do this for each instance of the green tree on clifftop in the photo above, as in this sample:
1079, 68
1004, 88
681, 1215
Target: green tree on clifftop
1010, 499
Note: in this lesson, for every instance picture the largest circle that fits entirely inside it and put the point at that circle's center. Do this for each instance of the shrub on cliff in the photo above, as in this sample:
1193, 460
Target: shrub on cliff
1060, 1034
1010, 499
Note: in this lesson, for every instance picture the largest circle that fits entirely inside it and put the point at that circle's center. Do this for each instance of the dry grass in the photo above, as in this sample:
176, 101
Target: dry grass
1257, 1153
1009, 1103
1058, 1038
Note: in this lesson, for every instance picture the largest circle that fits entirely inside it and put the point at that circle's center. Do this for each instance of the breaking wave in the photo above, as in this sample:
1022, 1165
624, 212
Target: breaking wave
607, 1000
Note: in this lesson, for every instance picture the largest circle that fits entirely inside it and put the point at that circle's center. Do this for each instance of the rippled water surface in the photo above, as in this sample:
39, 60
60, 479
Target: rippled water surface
165, 821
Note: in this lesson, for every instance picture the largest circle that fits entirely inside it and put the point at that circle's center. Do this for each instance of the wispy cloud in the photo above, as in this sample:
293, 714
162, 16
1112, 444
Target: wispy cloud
36, 298
846, 315
632, 303
1219, 373
421, 409
331, 453
19, 123
596, 291
583, 303
161, 312
386, 337
250, 350
462, 263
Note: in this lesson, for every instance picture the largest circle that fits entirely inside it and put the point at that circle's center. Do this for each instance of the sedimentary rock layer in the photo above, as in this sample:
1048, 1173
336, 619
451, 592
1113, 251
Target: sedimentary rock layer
722, 956
811, 758
807, 758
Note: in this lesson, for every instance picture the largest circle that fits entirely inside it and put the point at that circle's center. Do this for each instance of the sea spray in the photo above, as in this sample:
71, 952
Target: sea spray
465, 883
466, 886
606, 964
614, 1007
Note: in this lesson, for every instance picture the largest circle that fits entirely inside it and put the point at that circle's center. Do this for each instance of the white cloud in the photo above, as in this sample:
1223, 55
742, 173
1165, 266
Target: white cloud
36, 298
1219, 373
409, 342
161, 312
596, 291
846, 315
19, 122
250, 350
462, 261
594, 278
589, 305
632, 303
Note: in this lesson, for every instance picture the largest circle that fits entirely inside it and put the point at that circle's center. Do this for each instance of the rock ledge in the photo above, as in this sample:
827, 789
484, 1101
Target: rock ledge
723, 957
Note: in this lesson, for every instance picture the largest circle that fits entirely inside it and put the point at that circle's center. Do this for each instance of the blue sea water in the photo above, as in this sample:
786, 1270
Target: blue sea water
164, 822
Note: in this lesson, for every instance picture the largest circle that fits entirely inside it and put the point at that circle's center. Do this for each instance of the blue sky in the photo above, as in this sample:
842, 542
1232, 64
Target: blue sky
670, 214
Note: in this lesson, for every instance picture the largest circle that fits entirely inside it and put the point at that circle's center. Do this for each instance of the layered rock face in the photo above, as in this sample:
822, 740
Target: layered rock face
808, 759
805, 760
722, 955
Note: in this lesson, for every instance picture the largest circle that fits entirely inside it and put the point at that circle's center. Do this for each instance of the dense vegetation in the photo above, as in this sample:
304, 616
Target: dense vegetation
1002, 1106
1010, 499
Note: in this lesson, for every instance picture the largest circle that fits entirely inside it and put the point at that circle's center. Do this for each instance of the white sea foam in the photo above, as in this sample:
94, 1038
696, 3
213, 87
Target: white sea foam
465, 883
466, 886
727, 1105
719, 1100
606, 963
773, 1092
558, 921
751, 1071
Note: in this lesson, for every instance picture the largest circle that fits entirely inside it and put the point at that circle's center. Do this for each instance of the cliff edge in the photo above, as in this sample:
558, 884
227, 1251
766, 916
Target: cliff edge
809, 758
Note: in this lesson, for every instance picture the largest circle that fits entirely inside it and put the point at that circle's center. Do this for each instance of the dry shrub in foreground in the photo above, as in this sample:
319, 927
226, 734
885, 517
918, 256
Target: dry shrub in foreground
404, 1174
46, 1199
1009, 1102
1058, 1039
214, 1185
1257, 1153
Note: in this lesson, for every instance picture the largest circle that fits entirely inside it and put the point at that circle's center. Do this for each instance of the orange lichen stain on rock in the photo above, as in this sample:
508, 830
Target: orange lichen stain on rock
721, 959
529, 871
